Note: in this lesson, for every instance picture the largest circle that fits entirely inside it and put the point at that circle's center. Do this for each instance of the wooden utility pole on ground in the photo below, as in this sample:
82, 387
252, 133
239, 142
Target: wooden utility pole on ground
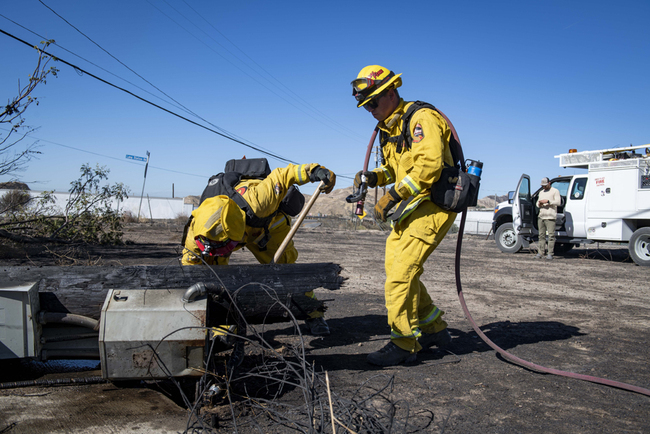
82, 290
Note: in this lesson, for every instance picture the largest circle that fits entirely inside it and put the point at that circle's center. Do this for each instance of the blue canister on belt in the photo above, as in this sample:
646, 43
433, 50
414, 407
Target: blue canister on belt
474, 171
475, 168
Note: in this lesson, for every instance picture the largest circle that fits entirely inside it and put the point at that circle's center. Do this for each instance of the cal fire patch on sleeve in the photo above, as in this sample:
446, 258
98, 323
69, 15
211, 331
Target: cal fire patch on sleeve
278, 188
242, 190
418, 134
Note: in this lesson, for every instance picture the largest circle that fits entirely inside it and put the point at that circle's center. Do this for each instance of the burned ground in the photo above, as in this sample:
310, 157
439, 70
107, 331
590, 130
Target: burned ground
587, 312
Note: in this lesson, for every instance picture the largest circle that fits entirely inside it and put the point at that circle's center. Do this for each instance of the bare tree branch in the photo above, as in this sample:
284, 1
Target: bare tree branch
13, 159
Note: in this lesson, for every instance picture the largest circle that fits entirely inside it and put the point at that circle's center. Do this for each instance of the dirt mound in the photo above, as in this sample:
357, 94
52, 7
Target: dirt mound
13, 185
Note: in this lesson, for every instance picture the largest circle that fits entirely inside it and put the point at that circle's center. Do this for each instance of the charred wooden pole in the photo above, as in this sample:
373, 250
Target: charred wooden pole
256, 288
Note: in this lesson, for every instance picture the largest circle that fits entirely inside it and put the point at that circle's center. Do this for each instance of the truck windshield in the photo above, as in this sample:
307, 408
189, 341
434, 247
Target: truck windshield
562, 186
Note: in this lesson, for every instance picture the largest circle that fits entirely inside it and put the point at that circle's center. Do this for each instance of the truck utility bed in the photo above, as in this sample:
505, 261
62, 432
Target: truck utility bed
604, 157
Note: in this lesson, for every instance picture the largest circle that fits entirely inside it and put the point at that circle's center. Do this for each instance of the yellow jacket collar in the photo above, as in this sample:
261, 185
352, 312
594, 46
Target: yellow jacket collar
388, 123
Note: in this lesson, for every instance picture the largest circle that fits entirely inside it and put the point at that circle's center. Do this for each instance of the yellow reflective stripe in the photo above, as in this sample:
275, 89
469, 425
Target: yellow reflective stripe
435, 313
414, 334
276, 224
387, 175
273, 226
413, 186
409, 209
299, 173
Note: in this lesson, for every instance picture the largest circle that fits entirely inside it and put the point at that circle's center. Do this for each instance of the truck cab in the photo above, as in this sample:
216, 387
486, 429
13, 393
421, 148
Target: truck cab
609, 203
509, 240
569, 223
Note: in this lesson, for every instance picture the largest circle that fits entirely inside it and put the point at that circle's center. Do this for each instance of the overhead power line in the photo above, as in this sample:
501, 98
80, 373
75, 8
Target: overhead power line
266, 73
177, 103
121, 160
79, 69
93, 64
246, 72
105, 51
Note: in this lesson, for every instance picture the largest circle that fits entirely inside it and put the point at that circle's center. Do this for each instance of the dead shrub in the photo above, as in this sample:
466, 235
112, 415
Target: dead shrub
14, 201
180, 218
129, 217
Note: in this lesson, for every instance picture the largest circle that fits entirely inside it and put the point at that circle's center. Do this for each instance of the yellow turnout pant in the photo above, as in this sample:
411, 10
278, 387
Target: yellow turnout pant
410, 308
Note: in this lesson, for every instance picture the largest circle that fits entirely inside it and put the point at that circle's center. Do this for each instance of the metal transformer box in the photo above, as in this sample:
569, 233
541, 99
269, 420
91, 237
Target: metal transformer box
19, 329
151, 334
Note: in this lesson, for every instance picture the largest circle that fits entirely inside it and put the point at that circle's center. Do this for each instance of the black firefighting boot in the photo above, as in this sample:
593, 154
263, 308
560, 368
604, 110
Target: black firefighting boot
440, 339
318, 326
391, 355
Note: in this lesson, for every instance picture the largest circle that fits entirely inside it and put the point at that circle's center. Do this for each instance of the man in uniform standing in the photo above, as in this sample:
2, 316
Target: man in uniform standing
419, 225
547, 202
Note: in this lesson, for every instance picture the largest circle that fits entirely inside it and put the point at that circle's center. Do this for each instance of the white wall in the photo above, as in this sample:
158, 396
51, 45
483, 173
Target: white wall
152, 207
477, 222
156, 207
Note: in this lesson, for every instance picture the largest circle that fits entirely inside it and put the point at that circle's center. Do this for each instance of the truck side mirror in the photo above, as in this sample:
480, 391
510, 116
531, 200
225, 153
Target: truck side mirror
511, 197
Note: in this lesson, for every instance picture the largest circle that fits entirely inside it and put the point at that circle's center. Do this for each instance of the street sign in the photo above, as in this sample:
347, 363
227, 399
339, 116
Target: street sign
133, 157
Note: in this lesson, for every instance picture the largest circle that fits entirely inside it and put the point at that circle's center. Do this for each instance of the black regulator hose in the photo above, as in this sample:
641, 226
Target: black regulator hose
514, 359
53, 382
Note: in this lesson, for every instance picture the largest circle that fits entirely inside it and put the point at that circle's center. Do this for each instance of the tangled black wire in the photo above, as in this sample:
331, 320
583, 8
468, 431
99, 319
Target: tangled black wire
252, 386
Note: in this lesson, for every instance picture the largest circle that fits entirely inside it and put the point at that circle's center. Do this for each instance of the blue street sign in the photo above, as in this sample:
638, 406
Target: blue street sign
133, 157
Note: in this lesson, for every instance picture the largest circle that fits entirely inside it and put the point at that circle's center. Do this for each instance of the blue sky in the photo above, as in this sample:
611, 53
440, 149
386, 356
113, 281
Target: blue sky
521, 81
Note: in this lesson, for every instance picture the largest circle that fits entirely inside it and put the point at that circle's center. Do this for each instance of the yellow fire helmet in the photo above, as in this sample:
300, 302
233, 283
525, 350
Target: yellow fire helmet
219, 219
372, 81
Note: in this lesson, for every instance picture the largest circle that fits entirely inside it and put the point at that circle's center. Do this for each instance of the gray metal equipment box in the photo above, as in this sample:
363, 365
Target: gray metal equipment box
151, 334
19, 328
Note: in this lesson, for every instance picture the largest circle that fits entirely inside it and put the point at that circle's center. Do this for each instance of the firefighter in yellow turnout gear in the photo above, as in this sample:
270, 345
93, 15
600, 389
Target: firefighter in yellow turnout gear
218, 226
418, 224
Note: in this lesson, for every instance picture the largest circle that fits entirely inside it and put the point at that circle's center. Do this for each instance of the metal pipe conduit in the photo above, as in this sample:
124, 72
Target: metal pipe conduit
67, 318
199, 289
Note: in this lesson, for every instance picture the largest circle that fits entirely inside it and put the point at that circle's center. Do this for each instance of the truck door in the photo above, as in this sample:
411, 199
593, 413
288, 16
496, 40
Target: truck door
522, 208
562, 186
575, 208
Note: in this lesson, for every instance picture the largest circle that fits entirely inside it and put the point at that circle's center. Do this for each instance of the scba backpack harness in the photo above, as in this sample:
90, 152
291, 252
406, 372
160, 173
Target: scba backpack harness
456, 189
235, 172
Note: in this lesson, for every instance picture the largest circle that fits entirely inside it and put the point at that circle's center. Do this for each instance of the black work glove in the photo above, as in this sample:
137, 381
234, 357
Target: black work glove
385, 204
322, 174
371, 179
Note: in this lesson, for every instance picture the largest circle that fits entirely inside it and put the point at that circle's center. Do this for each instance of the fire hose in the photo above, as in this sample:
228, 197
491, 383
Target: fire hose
514, 359
359, 196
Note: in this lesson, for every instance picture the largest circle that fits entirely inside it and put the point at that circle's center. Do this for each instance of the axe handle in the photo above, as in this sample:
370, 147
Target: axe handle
298, 222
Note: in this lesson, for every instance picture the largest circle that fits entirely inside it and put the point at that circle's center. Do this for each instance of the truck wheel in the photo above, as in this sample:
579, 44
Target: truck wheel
562, 248
640, 246
506, 239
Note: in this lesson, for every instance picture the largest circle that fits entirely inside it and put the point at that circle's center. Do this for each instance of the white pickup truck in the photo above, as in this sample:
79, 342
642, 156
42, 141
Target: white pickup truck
609, 203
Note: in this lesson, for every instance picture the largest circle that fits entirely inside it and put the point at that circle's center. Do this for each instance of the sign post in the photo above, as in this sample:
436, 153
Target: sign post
133, 157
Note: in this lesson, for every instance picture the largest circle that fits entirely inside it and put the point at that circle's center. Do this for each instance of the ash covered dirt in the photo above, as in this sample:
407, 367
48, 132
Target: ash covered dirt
587, 312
